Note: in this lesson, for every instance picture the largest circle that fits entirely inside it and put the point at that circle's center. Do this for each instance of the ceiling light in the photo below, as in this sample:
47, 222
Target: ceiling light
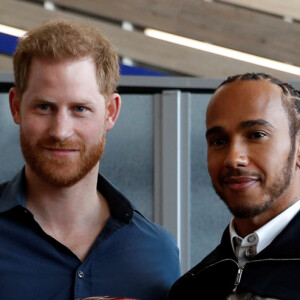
172, 38
11, 30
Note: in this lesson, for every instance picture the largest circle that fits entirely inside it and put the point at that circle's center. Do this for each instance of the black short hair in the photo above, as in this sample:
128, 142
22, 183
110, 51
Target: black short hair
290, 97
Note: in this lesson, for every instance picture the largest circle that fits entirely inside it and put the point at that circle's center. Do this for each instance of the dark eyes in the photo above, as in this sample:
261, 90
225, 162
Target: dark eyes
217, 141
257, 135
222, 140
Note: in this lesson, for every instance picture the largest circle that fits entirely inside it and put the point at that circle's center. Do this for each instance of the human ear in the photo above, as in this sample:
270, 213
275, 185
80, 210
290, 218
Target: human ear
15, 104
112, 110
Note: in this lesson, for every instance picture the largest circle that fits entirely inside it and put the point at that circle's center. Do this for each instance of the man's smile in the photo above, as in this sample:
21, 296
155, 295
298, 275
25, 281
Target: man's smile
240, 183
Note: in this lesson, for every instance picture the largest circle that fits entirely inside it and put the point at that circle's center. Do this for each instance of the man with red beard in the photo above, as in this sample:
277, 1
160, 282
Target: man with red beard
253, 156
65, 232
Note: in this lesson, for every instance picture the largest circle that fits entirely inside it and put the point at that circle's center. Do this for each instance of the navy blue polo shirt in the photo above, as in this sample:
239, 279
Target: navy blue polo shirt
132, 257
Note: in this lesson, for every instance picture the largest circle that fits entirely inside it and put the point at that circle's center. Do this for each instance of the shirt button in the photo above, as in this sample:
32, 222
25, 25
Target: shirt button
80, 274
249, 252
251, 238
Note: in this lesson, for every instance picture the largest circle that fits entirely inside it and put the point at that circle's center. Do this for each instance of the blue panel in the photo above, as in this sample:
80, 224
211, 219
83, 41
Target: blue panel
8, 43
129, 70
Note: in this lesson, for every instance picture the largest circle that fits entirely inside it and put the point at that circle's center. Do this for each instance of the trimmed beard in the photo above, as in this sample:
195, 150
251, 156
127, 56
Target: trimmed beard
273, 192
61, 171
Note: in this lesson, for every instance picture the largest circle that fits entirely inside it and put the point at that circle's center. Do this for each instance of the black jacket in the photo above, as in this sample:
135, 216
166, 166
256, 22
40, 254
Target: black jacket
274, 272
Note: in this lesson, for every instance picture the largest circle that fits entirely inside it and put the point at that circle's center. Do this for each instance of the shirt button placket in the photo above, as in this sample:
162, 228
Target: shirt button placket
80, 274
82, 277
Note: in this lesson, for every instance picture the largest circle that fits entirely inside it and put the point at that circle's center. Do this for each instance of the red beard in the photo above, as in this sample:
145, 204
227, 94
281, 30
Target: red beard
61, 171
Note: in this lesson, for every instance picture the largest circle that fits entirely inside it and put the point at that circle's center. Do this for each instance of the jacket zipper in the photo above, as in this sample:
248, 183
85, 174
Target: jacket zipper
240, 270
238, 278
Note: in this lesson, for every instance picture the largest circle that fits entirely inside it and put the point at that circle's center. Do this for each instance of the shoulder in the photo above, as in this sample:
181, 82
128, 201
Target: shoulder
155, 240
152, 230
157, 245
204, 274
139, 226
194, 283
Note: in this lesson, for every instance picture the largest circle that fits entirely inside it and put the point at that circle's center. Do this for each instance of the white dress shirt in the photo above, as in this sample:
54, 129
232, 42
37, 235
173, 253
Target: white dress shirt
252, 244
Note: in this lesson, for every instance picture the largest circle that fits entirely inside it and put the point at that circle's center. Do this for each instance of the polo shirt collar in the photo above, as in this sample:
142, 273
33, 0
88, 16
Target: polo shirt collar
120, 207
14, 194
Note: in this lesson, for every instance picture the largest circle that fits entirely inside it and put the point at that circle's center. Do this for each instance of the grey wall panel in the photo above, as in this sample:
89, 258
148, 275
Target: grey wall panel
11, 157
128, 158
209, 216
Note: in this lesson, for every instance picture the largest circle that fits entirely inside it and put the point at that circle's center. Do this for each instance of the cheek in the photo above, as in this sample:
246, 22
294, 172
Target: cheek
90, 132
274, 156
213, 166
32, 128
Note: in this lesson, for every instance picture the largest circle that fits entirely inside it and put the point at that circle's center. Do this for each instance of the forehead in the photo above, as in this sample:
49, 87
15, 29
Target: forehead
63, 81
67, 66
72, 74
240, 101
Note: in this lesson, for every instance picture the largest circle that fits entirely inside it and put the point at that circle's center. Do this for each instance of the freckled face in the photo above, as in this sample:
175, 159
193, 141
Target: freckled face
62, 120
250, 155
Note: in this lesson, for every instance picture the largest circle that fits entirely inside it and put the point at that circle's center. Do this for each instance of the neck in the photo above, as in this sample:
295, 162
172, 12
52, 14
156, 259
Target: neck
68, 214
41, 194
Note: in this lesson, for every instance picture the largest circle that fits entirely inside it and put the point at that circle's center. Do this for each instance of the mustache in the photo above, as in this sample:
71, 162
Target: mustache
53, 144
237, 172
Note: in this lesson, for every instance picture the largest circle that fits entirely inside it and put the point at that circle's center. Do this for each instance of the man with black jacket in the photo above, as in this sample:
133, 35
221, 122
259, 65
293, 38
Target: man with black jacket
253, 159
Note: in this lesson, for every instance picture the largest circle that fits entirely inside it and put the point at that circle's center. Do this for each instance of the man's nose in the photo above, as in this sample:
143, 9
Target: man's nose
61, 127
237, 156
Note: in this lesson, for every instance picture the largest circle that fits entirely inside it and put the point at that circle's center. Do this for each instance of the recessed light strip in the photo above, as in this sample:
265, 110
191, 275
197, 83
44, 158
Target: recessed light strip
222, 51
11, 30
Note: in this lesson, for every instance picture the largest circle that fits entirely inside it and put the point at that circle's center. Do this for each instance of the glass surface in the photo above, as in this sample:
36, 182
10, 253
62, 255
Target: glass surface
11, 157
209, 216
128, 158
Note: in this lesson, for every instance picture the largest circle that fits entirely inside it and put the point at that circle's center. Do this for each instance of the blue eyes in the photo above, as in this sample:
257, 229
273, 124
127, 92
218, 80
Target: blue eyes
44, 106
47, 107
79, 108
